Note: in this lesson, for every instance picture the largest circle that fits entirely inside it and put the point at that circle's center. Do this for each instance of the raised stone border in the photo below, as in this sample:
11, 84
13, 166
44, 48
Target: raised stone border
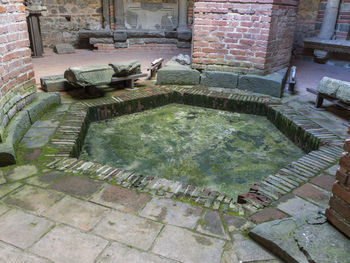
22, 121
323, 147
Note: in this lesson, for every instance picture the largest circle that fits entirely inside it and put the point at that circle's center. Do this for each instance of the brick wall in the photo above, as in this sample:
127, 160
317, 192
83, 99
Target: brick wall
338, 212
343, 22
16, 72
243, 36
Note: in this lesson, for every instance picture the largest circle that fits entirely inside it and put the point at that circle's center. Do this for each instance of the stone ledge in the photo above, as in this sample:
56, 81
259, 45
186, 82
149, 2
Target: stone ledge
21, 123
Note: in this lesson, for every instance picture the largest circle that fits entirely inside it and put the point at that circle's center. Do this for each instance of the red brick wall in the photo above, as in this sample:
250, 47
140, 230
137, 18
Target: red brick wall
343, 22
338, 212
16, 71
243, 36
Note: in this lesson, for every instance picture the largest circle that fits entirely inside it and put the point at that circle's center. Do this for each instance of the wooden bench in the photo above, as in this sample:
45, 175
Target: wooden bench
321, 97
131, 79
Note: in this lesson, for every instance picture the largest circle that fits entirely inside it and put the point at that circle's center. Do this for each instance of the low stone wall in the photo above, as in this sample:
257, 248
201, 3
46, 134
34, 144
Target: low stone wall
338, 212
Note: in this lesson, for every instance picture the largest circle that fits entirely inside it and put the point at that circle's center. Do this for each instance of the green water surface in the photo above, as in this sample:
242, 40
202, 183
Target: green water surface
215, 149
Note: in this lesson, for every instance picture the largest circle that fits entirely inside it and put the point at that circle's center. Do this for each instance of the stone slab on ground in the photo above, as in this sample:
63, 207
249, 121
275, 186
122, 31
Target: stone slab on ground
22, 229
324, 181
2, 178
211, 224
54, 83
120, 198
313, 194
77, 213
219, 79
21, 172
121, 253
10, 254
46, 178
64, 48
174, 73
271, 84
93, 75
171, 212
35, 142
7, 188
303, 239
65, 244
267, 214
297, 206
185, 246
128, 229
123, 69
33, 199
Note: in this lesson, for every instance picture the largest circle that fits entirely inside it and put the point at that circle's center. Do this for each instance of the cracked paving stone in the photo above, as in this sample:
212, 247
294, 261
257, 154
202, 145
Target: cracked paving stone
171, 212
74, 212
128, 229
297, 206
121, 253
78, 186
120, 198
10, 254
21, 172
67, 245
188, 247
21, 229
32, 199
211, 225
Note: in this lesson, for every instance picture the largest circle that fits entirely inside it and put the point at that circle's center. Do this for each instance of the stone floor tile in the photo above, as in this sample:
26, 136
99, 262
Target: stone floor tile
67, 245
78, 186
121, 253
229, 255
32, 155
10, 254
21, 172
267, 214
22, 229
332, 170
120, 198
2, 178
7, 188
46, 124
35, 142
45, 179
74, 212
186, 246
169, 211
297, 206
311, 193
234, 223
3, 209
249, 251
324, 181
128, 229
40, 132
32, 198
211, 224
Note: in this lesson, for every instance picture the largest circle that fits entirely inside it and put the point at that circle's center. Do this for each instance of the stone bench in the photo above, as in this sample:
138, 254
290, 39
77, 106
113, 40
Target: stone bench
337, 46
334, 90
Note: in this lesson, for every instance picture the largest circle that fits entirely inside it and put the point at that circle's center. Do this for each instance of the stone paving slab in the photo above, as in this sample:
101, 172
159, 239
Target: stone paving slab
312, 194
7, 188
324, 181
45, 179
121, 253
120, 198
235, 223
3, 209
77, 213
40, 132
128, 229
229, 255
297, 206
33, 199
33, 142
78, 186
21, 172
49, 123
32, 155
186, 246
267, 214
211, 224
10, 254
2, 178
171, 212
22, 229
67, 245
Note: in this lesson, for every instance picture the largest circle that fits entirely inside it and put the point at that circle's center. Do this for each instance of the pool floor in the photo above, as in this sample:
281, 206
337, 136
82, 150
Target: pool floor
219, 150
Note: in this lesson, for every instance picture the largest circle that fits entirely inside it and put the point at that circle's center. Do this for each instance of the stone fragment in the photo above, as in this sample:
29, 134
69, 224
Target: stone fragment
343, 92
64, 48
182, 59
185, 246
107, 40
303, 239
211, 224
123, 69
219, 79
65, 244
54, 83
92, 75
176, 74
171, 212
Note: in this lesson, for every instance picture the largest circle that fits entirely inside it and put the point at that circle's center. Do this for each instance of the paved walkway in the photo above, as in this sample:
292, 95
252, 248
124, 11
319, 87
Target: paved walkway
52, 216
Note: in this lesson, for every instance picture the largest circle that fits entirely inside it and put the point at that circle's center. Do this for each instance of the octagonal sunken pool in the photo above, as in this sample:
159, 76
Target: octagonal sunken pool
220, 150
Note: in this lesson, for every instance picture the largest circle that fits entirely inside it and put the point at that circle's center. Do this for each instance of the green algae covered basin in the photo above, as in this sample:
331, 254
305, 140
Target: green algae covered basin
219, 150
